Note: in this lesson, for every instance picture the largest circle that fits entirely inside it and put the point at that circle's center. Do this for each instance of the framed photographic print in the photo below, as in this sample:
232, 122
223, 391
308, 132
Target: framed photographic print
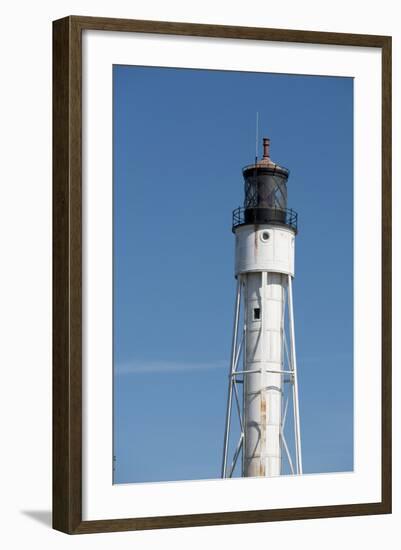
221, 274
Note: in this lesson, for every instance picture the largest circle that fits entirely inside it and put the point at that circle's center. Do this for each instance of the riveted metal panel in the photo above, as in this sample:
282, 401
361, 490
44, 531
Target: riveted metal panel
264, 248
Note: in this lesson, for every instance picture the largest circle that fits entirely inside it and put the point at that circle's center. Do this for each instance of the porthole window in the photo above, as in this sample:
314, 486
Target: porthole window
265, 236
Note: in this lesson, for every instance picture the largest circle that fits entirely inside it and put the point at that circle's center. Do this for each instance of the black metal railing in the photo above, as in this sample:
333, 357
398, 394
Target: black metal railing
277, 216
272, 168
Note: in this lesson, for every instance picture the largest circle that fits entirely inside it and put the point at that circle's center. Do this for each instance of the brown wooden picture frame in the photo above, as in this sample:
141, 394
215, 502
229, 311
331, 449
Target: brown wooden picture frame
67, 274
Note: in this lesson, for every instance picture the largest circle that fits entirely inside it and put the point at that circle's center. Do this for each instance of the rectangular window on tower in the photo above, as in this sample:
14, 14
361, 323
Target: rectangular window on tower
256, 314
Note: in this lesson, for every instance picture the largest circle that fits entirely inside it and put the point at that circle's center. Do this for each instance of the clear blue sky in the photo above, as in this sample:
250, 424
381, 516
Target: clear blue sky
181, 138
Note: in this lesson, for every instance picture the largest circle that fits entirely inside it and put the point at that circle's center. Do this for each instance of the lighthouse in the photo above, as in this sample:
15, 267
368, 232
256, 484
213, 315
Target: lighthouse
262, 378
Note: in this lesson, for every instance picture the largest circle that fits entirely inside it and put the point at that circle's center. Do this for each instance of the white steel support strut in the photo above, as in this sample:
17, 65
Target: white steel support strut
297, 427
233, 362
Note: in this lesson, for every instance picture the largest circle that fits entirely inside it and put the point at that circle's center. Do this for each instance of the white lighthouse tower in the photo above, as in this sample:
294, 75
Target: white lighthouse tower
263, 383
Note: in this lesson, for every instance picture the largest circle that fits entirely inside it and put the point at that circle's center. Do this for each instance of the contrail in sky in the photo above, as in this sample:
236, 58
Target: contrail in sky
147, 367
